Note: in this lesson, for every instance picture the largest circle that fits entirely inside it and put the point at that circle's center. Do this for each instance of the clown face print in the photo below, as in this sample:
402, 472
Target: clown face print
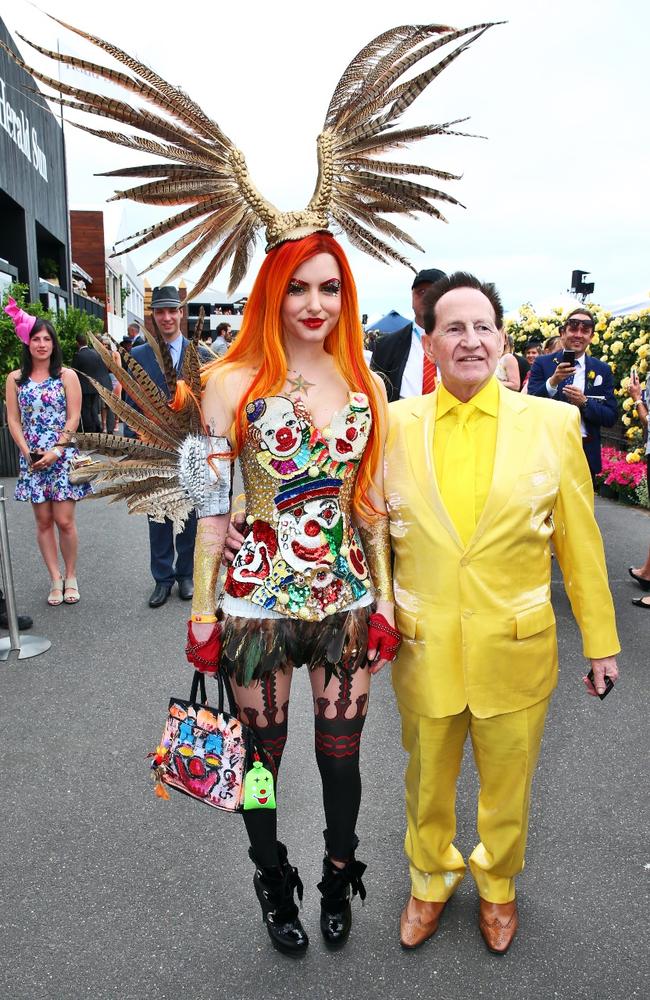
197, 759
349, 429
253, 562
309, 533
279, 425
326, 590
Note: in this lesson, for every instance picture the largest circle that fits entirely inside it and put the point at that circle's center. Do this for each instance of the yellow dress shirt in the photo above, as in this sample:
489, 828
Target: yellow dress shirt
474, 453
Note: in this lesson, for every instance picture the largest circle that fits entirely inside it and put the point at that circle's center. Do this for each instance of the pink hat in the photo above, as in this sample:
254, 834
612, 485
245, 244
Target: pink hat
23, 322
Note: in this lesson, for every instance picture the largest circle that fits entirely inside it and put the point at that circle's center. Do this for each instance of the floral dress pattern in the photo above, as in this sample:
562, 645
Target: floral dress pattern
43, 413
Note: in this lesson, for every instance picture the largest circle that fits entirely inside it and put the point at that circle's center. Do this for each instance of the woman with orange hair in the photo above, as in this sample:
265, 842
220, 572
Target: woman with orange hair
311, 583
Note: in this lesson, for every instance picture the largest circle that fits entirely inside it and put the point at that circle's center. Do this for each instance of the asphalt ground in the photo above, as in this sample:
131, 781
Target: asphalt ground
109, 892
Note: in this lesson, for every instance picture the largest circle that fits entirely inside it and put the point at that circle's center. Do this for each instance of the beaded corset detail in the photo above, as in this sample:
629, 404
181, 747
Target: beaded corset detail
302, 556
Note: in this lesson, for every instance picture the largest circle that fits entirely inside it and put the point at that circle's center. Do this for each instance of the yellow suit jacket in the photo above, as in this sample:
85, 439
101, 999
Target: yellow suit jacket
477, 623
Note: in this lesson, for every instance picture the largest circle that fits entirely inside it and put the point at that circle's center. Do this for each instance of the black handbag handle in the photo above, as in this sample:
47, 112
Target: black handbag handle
198, 693
198, 688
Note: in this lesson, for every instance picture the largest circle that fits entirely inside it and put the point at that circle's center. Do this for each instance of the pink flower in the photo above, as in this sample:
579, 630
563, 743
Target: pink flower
622, 476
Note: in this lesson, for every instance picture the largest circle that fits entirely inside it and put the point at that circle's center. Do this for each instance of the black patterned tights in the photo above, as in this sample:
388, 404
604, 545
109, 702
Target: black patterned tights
340, 712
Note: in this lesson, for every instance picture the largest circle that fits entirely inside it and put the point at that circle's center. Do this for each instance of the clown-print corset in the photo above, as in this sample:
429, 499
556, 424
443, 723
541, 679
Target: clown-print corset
302, 556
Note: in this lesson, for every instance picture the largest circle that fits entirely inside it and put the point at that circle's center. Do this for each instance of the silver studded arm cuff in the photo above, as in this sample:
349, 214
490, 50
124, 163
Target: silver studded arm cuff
205, 471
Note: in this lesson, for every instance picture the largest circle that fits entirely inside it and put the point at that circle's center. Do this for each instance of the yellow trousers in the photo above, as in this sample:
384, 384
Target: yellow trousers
506, 748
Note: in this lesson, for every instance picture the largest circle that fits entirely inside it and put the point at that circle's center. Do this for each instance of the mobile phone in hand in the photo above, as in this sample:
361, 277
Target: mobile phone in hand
568, 357
634, 375
609, 684
35, 456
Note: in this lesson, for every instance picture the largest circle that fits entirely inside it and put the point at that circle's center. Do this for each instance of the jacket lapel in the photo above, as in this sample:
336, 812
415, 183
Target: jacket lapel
419, 434
179, 366
589, 367
511, 441
398, 358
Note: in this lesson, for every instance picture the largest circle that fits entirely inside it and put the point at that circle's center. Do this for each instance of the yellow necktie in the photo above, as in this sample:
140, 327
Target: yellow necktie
458, 486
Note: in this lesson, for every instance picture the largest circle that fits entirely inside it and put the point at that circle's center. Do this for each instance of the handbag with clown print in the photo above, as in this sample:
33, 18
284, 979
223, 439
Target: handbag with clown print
209, 754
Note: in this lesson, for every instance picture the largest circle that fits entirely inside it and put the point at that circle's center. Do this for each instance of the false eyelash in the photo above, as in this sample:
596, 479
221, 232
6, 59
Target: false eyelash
296, 288
331, 287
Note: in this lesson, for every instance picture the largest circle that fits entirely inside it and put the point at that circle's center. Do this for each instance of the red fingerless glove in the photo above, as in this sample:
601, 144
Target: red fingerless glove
383, 639
204, 656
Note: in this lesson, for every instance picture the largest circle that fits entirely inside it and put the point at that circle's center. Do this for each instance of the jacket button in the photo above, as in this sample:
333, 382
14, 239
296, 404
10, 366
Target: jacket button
467, 614
464, 562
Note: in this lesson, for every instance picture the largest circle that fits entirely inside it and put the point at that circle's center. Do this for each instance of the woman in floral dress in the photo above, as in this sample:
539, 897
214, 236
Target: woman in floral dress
43, 409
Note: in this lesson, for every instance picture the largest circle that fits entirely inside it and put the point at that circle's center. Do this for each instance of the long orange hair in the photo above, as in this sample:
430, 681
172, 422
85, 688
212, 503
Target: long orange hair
259, 345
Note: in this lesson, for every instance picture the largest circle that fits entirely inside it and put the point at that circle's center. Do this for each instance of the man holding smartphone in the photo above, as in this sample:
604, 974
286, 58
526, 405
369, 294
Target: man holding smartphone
573, 376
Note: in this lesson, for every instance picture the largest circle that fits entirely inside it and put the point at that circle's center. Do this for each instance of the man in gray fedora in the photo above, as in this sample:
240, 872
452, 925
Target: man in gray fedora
172, 558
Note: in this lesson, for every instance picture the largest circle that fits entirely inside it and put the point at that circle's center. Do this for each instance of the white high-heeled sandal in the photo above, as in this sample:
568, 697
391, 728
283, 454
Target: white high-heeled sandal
55, 596
71, 593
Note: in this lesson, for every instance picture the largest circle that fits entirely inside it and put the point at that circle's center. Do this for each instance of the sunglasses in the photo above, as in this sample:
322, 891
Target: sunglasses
580, 324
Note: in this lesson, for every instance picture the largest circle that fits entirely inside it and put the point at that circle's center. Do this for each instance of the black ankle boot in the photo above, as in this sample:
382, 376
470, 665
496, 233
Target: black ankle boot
274, 888
336, 888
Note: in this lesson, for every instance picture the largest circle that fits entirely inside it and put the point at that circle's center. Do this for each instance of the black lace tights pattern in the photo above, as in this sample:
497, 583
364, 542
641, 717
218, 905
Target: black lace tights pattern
339, 714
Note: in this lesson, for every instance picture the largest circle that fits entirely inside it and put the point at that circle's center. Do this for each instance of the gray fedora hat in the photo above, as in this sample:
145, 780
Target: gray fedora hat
166, 297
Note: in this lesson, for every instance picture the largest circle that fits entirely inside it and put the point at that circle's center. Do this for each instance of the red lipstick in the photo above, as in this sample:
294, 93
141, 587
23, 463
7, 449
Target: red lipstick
313, 324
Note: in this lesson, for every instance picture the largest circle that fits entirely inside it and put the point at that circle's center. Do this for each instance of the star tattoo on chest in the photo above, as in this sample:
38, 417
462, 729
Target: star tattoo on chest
299, 384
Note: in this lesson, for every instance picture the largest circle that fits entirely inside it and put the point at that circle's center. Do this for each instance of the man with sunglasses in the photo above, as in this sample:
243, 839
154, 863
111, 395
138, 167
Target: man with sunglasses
580, 380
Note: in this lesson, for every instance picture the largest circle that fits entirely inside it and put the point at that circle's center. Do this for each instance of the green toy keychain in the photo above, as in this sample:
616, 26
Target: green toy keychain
258, 788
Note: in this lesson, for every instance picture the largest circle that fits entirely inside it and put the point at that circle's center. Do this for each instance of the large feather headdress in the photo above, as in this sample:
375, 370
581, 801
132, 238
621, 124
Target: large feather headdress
204, 171
225, 213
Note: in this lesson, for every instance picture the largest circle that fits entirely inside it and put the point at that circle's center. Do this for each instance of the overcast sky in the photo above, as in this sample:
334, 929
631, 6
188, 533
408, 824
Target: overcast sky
561, 92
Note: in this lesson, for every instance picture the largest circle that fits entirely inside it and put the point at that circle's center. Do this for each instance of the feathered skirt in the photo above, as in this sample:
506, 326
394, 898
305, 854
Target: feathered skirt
252, 648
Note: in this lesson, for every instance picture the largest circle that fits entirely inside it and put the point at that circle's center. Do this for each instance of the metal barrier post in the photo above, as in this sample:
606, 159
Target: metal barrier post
26, 645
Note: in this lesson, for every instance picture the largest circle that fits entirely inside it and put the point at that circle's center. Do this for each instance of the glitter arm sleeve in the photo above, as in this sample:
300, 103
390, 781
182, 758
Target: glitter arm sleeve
375, 533
376, 545
208, 549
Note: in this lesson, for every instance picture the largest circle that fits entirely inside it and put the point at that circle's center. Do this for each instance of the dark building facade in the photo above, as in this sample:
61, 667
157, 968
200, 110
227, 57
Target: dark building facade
34, 245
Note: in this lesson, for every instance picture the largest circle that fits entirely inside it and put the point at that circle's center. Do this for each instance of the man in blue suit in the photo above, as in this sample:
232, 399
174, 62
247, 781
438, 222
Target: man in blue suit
586, 382
172, 559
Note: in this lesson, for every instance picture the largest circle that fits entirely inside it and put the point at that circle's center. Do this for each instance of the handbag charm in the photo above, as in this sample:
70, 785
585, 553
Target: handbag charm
210, 755
259, 792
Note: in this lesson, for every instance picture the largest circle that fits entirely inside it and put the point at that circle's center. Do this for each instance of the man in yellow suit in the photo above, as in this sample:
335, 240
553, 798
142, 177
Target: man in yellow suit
479, 482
